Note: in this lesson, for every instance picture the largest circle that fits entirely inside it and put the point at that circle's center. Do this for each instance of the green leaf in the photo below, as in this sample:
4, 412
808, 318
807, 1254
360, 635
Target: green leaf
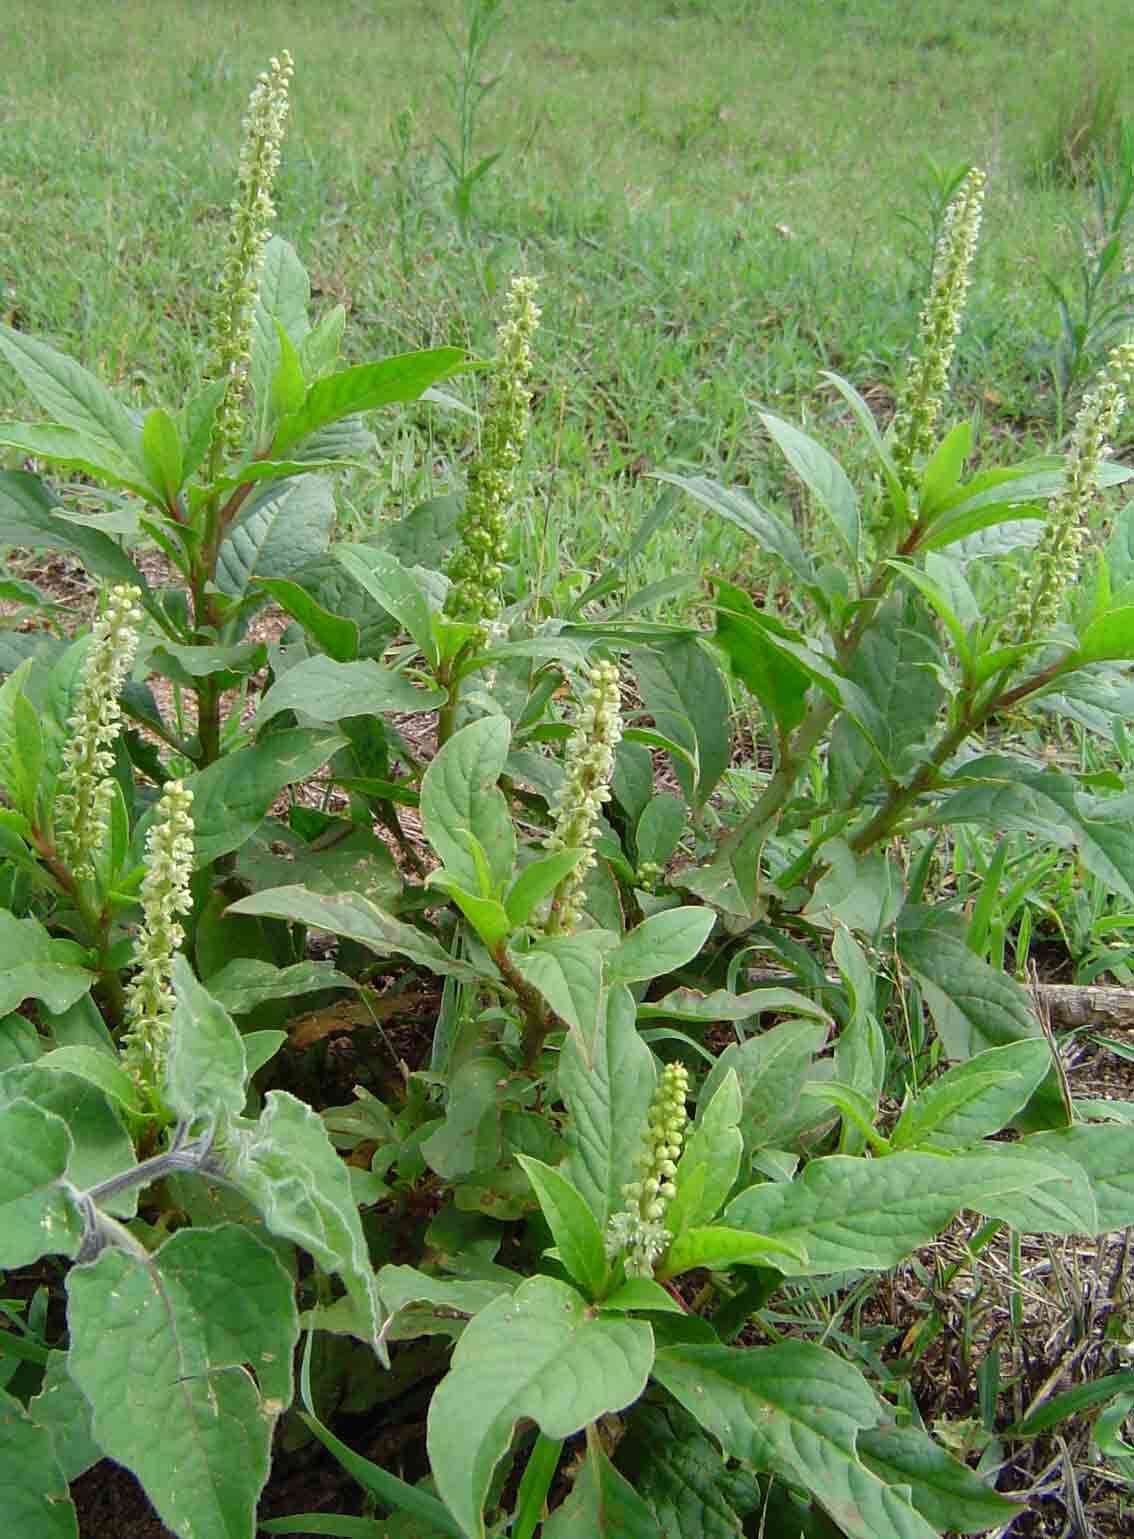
244, 983
403, 1287
469, 1137
63, 1411
338, 637
33, 965
768, 529
354, 917
940, 477
573, 1226
70, 450
946, 1492
683, 690
537, 881
226, 665
1110, 637
232, 797
975, 1098
710, 1161
357, 861
1106, 1155
390, 584
660, 944
37, 1217
319, 350
1072, 1402
283, 295
161, 450
849, 1213
33, 1488
642, 1293
607, 1085
863, 892
488, 916
98, 1068
73, 397
540, 1354
459, 795
193, 1426
719, 1248
28, 517
366, 387
771, 1069
659, 830
101, 1147
795, 1410
824, 477
602, 1505
279, 530
721, 1005
287, 1165
975, 1006
388, 1489
567, 971
289, 387
205, 1068
682, 1477
325, 691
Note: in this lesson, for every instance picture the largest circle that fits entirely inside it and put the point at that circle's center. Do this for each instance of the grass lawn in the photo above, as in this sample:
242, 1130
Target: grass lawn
716, 197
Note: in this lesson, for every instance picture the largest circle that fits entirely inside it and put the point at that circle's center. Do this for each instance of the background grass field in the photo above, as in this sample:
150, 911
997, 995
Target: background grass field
714, 193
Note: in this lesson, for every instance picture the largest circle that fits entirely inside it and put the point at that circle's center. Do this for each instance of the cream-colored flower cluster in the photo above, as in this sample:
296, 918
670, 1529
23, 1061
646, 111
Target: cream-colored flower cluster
250, 231
589, 764
477, 567
165, 896
1054, 566
920, 402
637, 1233
84, 790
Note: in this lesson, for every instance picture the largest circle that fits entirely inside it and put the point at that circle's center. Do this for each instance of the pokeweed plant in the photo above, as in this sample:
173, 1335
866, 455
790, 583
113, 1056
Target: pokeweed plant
591, 1253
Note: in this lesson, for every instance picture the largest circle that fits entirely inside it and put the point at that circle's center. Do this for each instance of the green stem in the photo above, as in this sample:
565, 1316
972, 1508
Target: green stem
539, 1020
531, 1500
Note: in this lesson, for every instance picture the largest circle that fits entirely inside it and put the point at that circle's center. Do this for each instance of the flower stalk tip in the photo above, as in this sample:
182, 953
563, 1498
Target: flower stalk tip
927, 381
477, 567
637, 1233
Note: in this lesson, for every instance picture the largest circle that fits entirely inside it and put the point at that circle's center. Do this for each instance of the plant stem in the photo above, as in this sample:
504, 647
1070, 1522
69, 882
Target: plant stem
539, 1020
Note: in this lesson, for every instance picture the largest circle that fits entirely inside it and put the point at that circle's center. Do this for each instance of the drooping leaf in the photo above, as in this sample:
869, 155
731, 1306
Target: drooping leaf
946, 1492
336, 635
846, 1212
395, 588
681, 1475
607, 1091
355, 918
469, 1137
768, 529
193, 1426
326, 691
29, 516
33, 1488
1106, 1155
232, 796
718, 1248
288, 1166
540, 1354
660, 944
796, 1410
244, 983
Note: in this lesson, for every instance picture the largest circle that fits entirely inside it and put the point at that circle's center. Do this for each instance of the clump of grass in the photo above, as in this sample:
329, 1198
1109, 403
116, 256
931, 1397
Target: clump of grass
1084, 125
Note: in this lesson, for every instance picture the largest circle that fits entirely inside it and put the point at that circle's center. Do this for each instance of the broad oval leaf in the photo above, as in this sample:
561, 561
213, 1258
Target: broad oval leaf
459, 795
540, 1354
32, 1484
660, 944
326, 691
